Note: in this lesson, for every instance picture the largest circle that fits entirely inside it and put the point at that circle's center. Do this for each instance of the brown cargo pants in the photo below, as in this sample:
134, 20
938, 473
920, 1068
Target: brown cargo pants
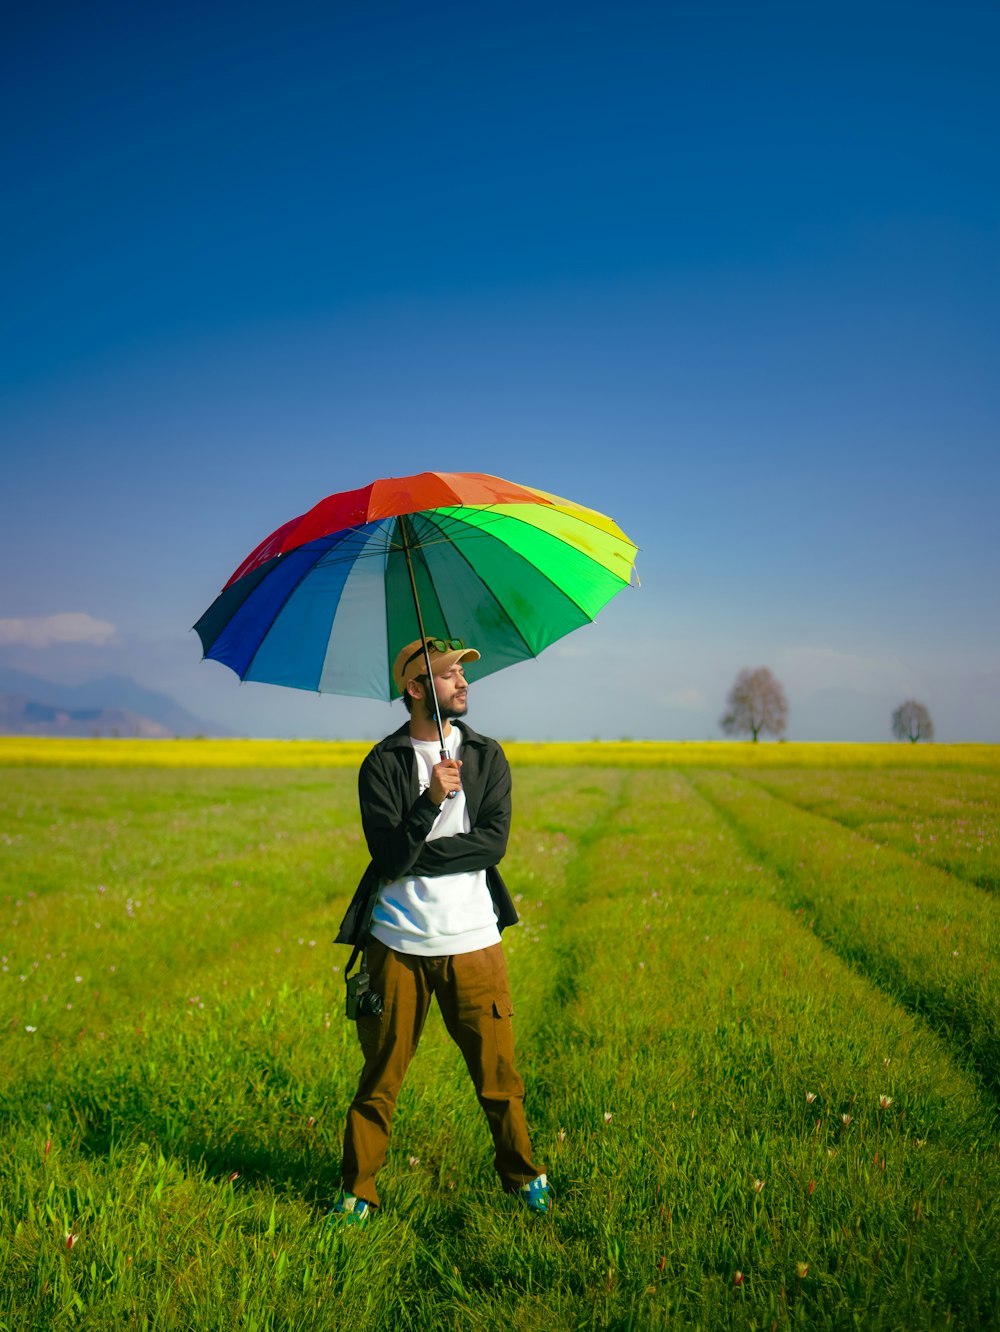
474, 997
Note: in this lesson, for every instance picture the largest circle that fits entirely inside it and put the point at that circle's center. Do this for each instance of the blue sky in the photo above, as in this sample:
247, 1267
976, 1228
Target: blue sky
730, 276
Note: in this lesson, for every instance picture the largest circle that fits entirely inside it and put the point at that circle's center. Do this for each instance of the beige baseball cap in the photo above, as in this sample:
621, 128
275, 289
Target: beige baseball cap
444, 653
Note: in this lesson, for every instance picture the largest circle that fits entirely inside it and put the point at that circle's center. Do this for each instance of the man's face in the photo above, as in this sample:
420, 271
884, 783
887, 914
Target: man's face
453, 693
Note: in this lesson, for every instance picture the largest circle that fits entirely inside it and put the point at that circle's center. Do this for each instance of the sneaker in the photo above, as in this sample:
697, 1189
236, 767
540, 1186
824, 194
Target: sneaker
349, 1211
536, 1196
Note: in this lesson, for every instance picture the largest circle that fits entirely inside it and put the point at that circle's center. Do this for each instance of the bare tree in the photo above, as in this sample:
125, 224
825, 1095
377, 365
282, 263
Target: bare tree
911, 721
755, 703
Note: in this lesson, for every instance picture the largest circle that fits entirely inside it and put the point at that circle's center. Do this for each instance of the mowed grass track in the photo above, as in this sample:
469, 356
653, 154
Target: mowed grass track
758, 1024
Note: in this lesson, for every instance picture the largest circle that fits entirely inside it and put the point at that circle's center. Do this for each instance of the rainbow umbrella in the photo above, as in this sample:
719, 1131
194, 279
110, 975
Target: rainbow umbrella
327, 601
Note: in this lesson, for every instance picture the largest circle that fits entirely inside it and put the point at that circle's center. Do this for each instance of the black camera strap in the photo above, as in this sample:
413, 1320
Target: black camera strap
366, 923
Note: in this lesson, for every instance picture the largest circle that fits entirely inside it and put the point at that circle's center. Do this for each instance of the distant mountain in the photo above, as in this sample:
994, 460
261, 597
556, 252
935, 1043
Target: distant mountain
142, 711
22, 716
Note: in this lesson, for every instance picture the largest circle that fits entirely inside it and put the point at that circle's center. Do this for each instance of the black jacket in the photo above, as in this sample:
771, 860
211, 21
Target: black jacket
396, 819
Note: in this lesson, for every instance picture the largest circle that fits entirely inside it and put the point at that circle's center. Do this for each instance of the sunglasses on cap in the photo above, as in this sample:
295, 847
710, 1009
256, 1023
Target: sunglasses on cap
435, 645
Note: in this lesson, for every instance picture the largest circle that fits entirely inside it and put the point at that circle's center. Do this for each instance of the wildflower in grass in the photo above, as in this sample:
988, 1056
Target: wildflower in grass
71, 1239
414, 1161
845, 1119
234, 1177
886, 1061
608, 1116
884, 1102
30, 1029
919, 1142
810, 1097
758, 1185
737, 1278
802, 1270
312, 1121
561, 1135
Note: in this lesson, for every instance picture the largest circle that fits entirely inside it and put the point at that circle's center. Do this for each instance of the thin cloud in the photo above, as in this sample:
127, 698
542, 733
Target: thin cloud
41, 631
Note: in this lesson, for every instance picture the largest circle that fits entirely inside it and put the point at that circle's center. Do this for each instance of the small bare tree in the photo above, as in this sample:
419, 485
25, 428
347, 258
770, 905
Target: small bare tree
911, 721
755, 703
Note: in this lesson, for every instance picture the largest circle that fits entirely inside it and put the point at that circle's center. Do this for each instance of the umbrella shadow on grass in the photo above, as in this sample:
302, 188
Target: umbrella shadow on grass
310, 1171
308, 1174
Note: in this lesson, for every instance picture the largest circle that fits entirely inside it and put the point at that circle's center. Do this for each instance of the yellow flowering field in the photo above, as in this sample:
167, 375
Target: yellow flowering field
231, 753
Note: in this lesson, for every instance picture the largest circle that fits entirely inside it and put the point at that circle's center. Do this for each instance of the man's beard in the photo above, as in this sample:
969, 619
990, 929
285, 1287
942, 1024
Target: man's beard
448, 713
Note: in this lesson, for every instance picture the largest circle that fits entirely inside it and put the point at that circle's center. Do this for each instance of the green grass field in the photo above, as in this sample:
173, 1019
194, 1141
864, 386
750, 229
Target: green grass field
757, 997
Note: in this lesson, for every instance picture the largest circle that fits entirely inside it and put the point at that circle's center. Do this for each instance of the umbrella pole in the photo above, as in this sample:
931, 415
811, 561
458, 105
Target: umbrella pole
423, 636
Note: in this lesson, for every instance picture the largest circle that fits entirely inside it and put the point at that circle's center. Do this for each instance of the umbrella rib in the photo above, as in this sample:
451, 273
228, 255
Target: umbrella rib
455, 546
541, 573
552, 583
625, 582
373, 549
561, 590
463, 532
568, 508
284, 602
513, 518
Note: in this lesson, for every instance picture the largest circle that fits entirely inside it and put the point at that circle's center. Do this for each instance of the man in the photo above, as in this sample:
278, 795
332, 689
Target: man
436, 828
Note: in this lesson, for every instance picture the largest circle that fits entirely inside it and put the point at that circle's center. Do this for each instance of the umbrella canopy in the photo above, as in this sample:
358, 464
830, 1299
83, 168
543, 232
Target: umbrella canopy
327, 600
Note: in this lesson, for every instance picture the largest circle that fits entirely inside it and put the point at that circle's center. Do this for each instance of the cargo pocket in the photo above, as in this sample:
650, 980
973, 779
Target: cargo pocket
503, 1028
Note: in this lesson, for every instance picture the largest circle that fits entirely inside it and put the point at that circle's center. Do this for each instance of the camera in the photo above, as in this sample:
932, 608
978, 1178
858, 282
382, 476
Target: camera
362, 1000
